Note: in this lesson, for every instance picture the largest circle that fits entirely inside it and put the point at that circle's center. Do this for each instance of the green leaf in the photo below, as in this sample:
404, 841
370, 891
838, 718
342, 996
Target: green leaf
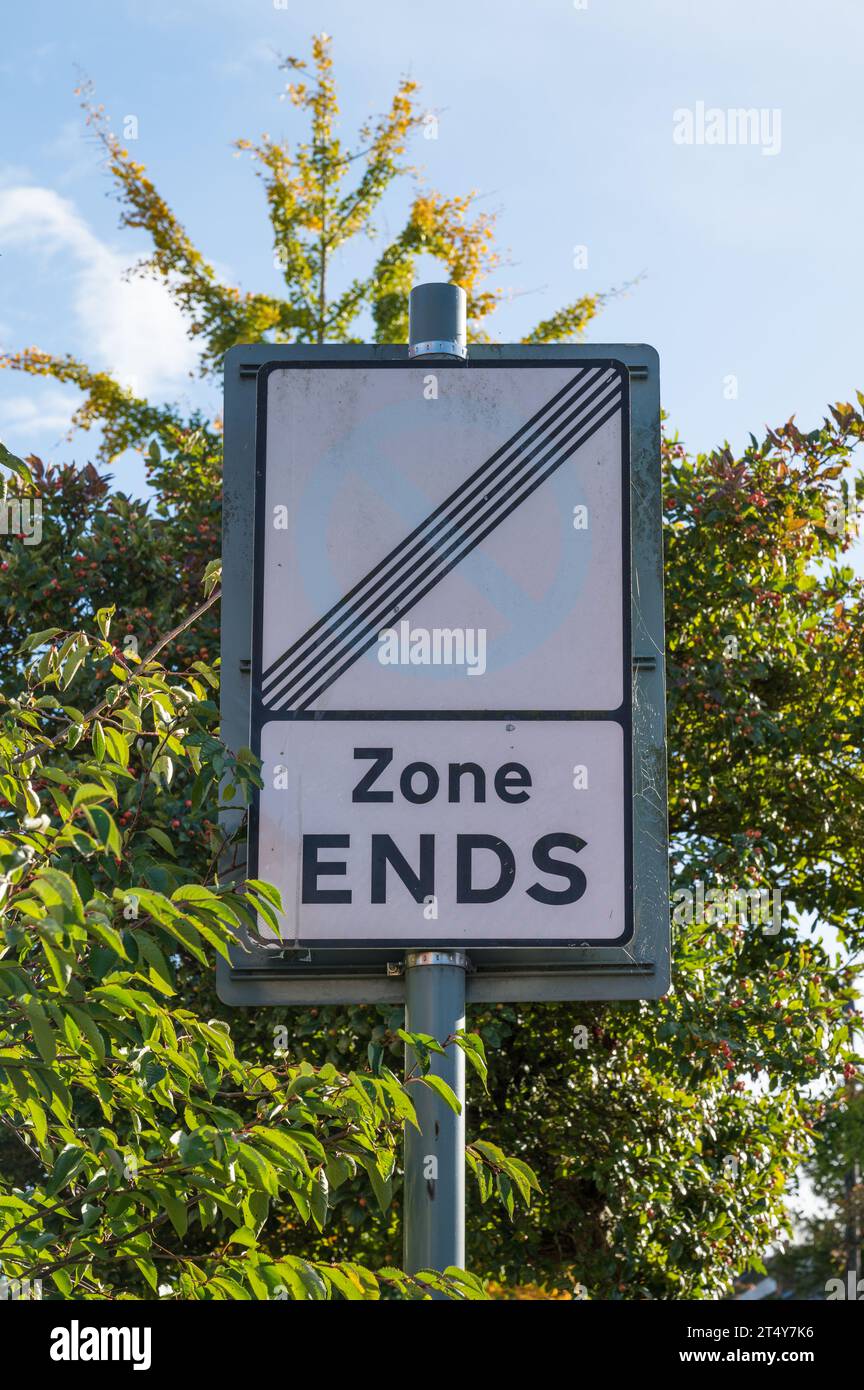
421, 1042
69, 1161
505, 1192
103, 620
39, 1118
284, 1142
104, 828
89, 1028
382, 1184
117, 745
97, 739
346, 1283
89, 793
63, 1282
193, 895
43, 1034
39, 639
71, 665
244, 1236
57, 888
161, 839
472, 1045
259, 1170
160, 972
148, 1271
266, 891
319, 1198
491, 1152
178, 1214
61, 963
439, 1085
339, 1170
14, 464
469, 1285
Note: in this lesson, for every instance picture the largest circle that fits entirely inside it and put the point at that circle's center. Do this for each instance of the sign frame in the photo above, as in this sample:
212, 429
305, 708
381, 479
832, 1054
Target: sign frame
639, 967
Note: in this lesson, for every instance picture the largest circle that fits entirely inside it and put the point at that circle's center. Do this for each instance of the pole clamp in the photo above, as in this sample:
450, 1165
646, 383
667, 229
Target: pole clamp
439, 347
455, 958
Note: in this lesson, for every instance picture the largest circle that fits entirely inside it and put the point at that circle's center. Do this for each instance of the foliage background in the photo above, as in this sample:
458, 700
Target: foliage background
750, 1059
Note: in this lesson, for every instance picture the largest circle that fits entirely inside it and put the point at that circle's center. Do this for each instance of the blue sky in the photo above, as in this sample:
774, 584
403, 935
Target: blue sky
562, 117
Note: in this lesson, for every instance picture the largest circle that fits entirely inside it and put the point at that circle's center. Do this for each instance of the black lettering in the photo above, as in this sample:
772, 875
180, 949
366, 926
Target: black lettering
311, 893
405, 783
465, 847
382, 756
547, 865
457, 771
505, 786
420, 885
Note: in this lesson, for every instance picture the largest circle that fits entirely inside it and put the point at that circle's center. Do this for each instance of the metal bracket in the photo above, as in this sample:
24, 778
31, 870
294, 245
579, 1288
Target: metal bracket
457, 958
439, 347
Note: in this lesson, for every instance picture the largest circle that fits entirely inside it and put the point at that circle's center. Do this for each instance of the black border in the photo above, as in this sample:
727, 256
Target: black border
623, 715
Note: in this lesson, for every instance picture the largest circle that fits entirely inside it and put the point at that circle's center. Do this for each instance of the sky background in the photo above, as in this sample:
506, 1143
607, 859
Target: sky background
561, 117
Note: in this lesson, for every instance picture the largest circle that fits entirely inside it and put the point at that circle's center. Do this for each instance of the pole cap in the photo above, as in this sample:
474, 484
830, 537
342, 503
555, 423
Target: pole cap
437, 316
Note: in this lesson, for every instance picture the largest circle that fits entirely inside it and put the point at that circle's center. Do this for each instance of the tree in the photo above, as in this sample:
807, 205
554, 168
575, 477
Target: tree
313, 214
665, 1136
150, 1148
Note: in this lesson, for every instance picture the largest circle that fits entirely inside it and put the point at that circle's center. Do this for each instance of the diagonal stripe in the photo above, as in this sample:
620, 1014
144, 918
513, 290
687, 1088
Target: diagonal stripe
447, 511
378, 609
388, 608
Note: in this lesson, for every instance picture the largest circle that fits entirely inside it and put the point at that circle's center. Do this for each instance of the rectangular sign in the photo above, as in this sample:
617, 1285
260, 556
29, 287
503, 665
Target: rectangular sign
442, 665
444, 547
403, 831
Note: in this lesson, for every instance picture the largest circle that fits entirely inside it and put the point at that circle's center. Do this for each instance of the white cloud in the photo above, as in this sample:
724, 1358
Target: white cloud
132, 327
47, 414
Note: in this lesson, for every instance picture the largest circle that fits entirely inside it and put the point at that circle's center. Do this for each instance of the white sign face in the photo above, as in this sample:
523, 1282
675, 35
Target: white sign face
441, 682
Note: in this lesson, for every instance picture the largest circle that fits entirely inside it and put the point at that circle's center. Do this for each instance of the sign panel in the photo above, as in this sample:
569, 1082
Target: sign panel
438, 673
442, 664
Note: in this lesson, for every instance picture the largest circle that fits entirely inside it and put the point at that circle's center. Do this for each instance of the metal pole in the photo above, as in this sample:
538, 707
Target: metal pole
434, 1195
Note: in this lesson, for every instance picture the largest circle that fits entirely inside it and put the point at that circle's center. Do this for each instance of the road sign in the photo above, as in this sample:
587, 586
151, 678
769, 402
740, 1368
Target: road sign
456, 683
